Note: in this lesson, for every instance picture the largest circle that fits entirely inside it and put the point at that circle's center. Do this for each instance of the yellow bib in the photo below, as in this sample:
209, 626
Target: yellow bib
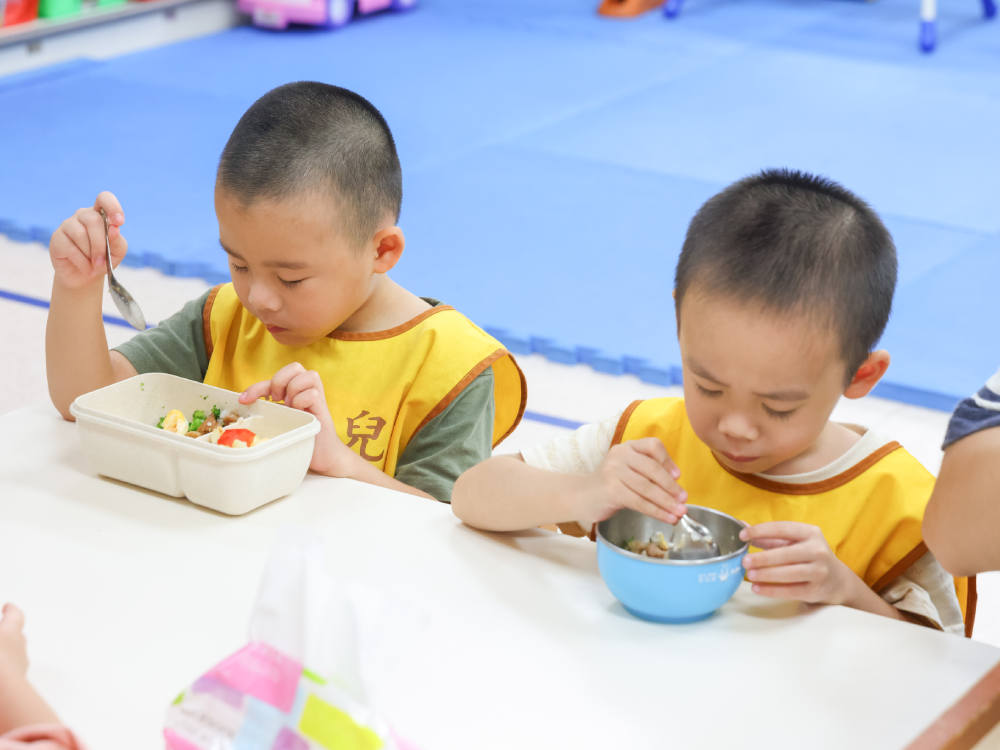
870, 514
381, 387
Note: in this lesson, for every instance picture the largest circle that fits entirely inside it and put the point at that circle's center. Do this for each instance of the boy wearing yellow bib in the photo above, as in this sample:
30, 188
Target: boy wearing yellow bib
409, 393
783, 287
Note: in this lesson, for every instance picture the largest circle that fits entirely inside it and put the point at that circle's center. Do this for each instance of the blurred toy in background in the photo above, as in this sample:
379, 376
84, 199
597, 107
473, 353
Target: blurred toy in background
17, 11
277, 14
625, 8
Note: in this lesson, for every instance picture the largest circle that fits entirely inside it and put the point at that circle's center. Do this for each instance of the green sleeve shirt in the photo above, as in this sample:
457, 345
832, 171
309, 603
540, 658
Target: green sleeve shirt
455, 440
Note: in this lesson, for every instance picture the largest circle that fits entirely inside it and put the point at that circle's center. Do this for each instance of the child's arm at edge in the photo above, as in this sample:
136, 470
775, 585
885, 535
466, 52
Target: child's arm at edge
506, 494
963, 514
77, 359
20, 704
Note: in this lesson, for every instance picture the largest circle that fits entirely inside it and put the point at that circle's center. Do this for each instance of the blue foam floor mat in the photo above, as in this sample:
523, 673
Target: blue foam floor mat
552, 159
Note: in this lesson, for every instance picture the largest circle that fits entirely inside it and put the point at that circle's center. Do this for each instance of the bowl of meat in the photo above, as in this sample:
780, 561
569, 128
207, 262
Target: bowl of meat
635, 554
187, 439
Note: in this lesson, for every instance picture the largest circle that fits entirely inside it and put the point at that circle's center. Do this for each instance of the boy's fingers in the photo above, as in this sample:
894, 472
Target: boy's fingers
647, 508
789, 530
256, 391
782, 591
655, 449
282, 378
304, 381
94, 225
79, 261
790, 555
78, 237
119, 246
109, 202
772, 543
13, 619
801, 573
655, 472
305, 400
650, 492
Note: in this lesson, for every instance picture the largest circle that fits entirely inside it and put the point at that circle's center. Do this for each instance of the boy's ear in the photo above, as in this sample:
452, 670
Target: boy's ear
388, 246
870, 372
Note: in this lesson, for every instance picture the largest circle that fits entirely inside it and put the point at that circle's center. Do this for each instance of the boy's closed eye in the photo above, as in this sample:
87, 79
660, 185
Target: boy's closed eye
786, 414
707, 392
774, 413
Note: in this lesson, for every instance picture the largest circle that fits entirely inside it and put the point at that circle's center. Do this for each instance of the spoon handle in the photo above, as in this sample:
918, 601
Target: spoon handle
122, 299
107, 241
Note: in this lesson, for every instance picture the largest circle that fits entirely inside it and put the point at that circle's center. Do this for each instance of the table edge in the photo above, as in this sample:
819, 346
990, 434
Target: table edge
967, 721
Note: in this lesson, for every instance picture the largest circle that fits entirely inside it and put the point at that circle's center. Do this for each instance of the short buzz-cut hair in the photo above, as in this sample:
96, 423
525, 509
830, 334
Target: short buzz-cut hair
792, 242
310, 136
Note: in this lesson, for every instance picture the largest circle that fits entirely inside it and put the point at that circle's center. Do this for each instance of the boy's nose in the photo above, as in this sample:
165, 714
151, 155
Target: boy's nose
263, 299
738, 427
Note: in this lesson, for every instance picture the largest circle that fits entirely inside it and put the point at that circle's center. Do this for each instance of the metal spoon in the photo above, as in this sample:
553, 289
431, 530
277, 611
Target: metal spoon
123, 300
692, 541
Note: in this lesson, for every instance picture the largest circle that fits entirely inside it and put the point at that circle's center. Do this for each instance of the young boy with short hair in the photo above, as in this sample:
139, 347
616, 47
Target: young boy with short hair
409, 392
783, 287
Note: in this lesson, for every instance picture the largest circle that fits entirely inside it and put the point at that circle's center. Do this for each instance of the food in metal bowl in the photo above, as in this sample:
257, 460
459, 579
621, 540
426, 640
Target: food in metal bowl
657, 546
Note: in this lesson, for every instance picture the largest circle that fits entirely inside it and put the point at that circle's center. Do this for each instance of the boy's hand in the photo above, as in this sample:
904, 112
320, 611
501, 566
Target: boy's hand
796, 563
13, 647
303, 389
77, 248
639, 475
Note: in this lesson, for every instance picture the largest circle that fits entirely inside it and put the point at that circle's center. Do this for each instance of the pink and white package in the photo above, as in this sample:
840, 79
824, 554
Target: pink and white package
300, 684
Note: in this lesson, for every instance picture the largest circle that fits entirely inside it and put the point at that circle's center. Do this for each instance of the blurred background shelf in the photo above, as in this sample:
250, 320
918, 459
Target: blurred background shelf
104, 31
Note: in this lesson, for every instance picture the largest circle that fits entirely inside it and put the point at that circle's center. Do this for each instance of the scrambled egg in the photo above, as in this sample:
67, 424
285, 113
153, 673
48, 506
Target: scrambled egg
175, 422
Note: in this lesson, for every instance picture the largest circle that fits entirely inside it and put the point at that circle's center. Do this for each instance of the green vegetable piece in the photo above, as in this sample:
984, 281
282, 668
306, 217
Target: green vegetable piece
160, 423
217, 412
198, 414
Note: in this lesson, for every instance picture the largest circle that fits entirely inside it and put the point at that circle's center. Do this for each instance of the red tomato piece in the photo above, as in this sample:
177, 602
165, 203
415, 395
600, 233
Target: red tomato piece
228, 436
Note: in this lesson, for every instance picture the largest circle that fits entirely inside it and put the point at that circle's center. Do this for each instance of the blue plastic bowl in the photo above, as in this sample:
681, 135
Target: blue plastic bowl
670, 590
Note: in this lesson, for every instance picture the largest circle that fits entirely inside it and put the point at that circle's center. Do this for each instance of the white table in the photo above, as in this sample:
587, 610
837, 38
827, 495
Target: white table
130, 596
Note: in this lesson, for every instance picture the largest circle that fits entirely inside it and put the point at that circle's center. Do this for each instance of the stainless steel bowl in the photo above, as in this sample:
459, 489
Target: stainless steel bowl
630, 524
663, 590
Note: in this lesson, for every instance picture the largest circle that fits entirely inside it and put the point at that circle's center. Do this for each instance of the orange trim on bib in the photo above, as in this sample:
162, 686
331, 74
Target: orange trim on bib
970, 608
573, 528
206, 321
897, 570
389, 332
460, 386
623, 422
521, 407
815, 488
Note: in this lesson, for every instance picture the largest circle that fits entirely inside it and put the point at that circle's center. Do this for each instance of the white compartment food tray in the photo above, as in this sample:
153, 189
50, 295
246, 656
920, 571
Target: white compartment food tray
117, 428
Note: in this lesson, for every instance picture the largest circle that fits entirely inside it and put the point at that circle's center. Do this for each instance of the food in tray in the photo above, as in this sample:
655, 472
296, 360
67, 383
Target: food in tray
657, 546
212, 426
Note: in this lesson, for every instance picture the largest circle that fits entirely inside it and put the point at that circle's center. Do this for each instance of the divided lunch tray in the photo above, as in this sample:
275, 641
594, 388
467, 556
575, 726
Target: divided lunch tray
117, 426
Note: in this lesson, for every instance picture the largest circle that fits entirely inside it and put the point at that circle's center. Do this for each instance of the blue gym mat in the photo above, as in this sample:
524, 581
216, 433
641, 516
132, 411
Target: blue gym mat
552, 159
